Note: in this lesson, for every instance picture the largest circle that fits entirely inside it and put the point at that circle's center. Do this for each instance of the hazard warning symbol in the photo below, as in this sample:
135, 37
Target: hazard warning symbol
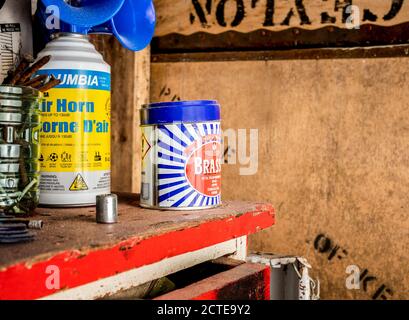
79, 184
145, 146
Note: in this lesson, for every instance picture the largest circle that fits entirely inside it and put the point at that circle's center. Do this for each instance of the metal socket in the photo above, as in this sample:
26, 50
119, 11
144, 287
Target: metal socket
9, 182
11, 103
107, 208
10, 151
9, 167
11, 118
8, 134
35, 224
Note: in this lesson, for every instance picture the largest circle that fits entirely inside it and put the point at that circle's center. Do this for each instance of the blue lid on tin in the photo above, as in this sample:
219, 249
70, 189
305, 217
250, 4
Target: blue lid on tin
180, 111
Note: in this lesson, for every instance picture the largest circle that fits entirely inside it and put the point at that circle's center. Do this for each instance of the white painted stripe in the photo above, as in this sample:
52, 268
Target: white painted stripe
208, 130
170, 171
201, 129
199, 199
171, 153
188, 200
177, 196
142, 275
218, 128
166, 139
178, 133
192, 131
241, 252
170, 180
168, 162
167, 190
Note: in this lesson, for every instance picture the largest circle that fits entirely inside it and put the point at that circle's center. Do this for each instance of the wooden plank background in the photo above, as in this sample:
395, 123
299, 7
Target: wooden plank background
194, 25
333, 159
333, 133
130, 90
217, 16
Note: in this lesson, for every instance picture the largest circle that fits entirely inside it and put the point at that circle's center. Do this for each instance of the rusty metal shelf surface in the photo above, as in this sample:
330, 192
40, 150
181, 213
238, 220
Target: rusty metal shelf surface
85, 251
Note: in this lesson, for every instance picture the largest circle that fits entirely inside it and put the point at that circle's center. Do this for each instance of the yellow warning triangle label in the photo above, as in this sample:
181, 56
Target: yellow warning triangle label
79, 184
145, 146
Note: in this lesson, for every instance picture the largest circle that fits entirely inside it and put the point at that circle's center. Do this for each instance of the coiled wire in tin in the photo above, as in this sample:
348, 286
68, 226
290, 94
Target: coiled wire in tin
19, 152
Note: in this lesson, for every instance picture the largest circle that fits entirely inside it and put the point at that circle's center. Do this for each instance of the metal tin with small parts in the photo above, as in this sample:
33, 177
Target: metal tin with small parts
19, 152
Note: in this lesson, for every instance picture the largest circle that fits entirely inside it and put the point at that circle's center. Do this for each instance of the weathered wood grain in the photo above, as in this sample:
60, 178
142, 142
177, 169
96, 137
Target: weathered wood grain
227, 25
84, 251
248, 281
216, 16
130, 90
396, 51
333, 158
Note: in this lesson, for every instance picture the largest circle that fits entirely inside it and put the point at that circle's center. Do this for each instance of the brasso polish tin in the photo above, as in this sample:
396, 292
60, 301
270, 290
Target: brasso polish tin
181, 155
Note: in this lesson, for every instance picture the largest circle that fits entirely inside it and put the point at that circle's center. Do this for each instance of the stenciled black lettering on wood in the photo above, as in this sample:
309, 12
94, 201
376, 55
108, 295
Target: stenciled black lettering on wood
226, 152
220, 13
326, 18
395, 8
166, 91
254, 3
199, 12
301, 12
380, 291
205, 12
333, 252
343, 6
369, 16
270, 9
365, 278
209, 6
322, 243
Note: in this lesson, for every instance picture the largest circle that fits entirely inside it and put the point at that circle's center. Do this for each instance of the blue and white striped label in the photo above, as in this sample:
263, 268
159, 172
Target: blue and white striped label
182, 165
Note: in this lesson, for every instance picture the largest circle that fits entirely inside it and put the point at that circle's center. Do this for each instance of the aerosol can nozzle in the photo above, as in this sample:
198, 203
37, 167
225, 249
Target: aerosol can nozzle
131, 21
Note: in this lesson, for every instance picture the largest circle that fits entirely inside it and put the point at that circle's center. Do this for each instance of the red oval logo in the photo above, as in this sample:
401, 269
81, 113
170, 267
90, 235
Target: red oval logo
203, 169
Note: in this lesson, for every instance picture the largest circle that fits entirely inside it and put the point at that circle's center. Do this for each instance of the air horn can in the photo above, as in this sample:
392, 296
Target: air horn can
76, 129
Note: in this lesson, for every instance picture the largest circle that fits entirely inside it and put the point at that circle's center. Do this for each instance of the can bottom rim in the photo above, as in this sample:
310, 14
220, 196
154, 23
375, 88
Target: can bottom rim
79, 205
179, 208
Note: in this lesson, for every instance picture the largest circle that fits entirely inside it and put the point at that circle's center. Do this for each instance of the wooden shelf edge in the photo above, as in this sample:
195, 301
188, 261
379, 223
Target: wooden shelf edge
28, 280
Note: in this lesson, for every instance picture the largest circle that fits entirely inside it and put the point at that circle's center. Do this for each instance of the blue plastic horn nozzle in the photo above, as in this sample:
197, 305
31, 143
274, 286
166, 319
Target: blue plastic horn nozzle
131, 21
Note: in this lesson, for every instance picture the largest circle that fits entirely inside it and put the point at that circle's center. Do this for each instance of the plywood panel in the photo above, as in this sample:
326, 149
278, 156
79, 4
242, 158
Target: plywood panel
333, 159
